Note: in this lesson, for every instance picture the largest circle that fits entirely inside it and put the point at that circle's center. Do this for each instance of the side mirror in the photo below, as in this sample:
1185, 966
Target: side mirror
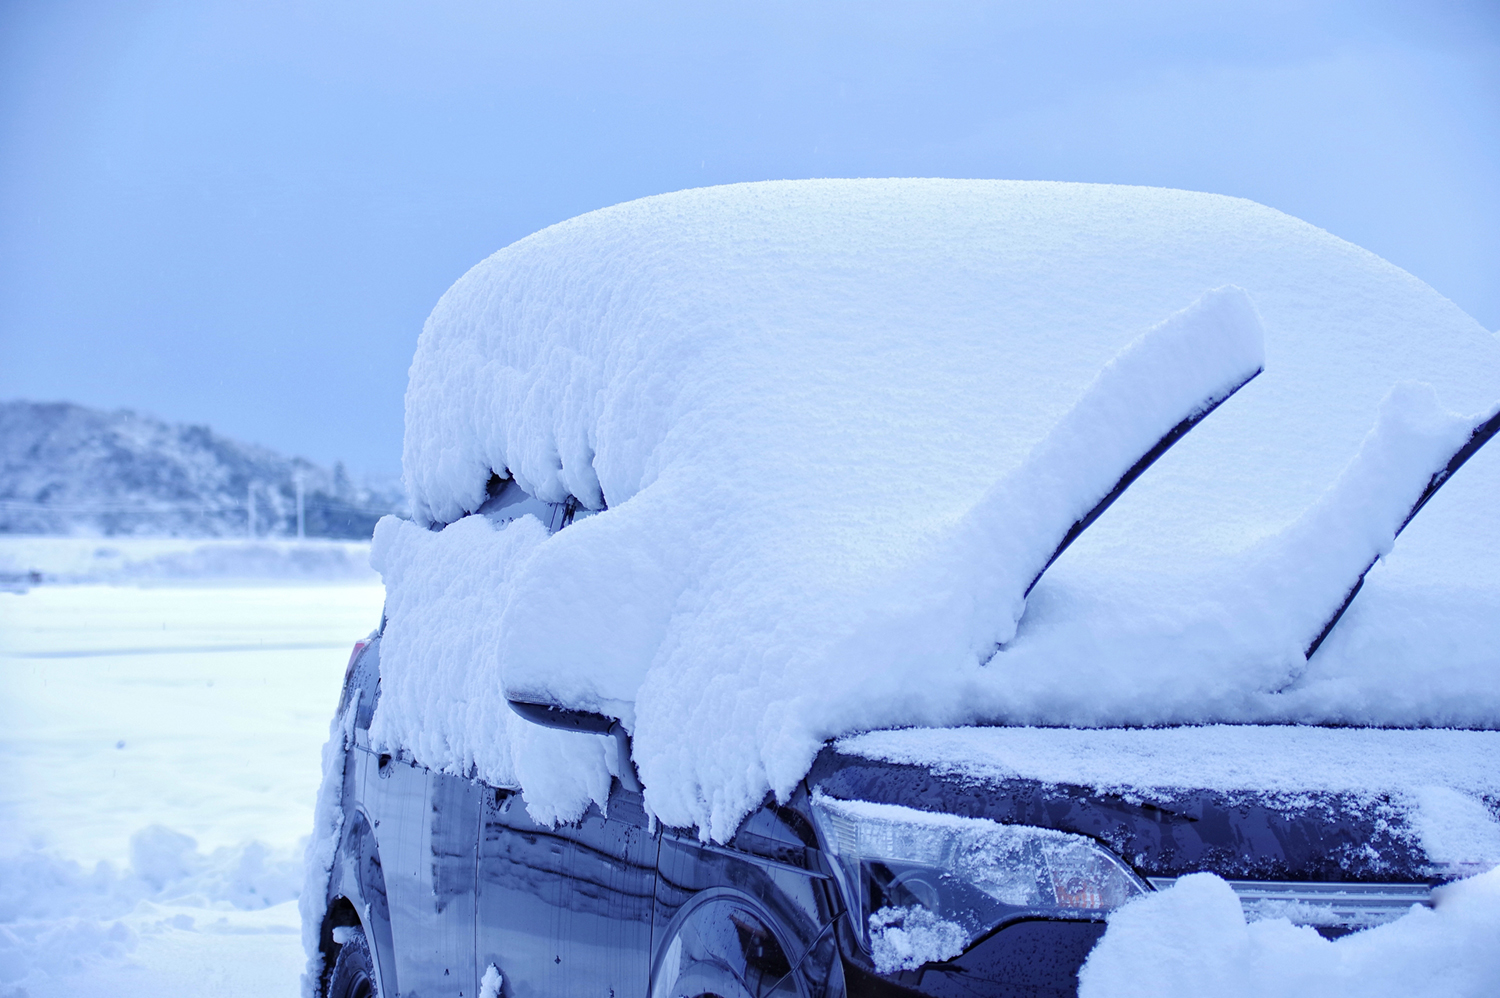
566, 719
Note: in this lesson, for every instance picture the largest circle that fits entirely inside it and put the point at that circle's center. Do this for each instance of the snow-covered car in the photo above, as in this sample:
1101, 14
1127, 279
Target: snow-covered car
836, 588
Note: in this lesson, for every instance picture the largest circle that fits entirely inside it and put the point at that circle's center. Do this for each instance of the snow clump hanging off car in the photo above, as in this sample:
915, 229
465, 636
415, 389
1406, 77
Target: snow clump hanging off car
718, 478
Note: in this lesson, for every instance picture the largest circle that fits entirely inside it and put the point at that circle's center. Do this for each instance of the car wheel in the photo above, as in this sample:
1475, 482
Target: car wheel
353, 973
725, 949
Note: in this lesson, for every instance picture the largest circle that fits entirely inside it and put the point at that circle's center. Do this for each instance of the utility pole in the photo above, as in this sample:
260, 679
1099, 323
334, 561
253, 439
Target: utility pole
250, 510
299, 506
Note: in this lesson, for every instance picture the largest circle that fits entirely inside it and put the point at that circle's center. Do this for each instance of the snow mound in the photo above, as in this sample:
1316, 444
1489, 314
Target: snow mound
1194, 938
59, 920
835, 428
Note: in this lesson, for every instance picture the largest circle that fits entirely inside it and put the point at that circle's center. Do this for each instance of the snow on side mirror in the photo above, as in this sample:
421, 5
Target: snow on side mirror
563, 718
586, 722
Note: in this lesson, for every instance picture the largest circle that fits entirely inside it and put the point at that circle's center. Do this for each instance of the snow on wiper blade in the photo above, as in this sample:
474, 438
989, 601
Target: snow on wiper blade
1143, 401
1135, 471
966, 597
1413, 439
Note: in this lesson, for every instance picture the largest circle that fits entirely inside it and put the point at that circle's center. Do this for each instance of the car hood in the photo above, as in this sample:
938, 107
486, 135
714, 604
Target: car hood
1245, 802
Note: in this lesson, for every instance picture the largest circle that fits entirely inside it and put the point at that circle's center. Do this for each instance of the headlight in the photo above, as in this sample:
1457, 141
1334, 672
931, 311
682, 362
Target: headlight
926, 885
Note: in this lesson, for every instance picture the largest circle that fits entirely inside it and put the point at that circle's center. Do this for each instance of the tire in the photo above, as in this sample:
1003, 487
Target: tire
353, 974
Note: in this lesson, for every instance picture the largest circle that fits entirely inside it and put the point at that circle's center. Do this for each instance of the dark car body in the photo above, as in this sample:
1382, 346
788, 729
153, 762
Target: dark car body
447, 876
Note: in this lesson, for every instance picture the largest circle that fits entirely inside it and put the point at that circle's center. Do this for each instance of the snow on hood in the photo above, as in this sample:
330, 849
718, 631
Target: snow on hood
816, 415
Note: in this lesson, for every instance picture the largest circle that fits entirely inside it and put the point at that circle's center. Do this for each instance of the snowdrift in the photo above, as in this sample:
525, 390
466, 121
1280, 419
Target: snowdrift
832, 430
1194, 938
61, 924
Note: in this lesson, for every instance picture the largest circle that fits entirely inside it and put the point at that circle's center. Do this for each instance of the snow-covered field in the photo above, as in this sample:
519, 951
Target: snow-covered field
25, 560
160, 747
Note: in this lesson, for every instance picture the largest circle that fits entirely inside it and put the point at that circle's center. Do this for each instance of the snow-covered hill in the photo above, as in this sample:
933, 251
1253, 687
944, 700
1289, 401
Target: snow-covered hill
68, 469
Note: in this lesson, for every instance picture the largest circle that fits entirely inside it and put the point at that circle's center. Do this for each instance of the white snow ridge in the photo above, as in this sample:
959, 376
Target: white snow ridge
833, 430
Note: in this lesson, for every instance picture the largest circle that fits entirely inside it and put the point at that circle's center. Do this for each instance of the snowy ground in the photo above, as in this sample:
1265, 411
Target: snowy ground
161, 749
27, 560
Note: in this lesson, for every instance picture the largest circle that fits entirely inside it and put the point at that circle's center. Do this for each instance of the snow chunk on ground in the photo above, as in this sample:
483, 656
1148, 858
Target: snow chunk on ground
1193, 939
797, 399
64, 928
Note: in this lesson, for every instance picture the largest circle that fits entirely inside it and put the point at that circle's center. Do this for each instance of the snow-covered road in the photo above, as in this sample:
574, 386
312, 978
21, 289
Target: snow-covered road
160, 753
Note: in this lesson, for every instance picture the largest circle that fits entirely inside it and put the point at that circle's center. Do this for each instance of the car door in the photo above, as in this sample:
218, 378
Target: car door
566, 912
426, 825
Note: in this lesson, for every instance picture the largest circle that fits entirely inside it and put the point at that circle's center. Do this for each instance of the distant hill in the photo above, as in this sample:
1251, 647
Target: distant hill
68, 469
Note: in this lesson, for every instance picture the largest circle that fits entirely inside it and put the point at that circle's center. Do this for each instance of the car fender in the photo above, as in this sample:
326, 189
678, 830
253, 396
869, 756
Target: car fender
725, 942
357, 886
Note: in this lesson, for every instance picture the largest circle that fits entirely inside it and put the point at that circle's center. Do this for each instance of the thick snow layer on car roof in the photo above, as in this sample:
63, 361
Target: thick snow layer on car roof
830, 421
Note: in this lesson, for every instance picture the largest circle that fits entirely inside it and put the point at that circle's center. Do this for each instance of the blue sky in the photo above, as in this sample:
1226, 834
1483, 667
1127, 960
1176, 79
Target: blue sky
240, 213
